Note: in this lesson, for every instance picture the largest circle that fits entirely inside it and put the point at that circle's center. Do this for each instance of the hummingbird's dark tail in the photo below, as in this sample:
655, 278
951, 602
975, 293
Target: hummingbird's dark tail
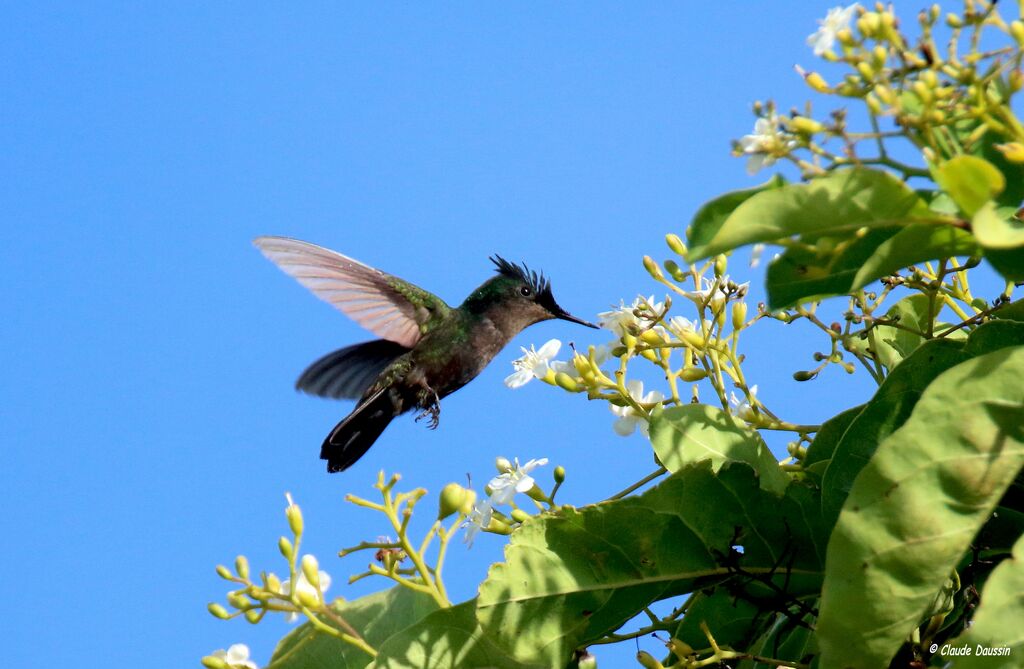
352, 437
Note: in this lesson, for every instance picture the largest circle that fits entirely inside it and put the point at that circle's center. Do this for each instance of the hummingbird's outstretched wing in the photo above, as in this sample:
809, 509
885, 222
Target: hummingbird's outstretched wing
383, 304
348, 372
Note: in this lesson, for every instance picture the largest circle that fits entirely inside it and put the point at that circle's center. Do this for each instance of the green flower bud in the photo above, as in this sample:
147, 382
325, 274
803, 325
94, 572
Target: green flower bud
803, 376
619, 351
520, 516
273, 583
652, 267
285, 546
218, 611
294, 515
1017, 32
692, 374
311, 570
929, 78
647, 660
676, 244
680, 649
453, 500
805, 126
559, 474
816, 82
739, 315
566, 382
954, 21
308, 598
693, 339
211, 662
253, 616
869, 23
879, 56
502, 465
648, 354
1012, 151
224, 572
873, 104
652, 338
721, 263
242, 567
674, 270
866, 71
239, 601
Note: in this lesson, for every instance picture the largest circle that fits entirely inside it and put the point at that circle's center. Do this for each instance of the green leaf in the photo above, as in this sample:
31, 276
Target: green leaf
1009, 263
819, 453
709, 218
913, 244
895, 344
917, 505
445, 639
997, 622
376, 617
997, 228
732, 620
971, 181
842, 201
688, 434
572, 577
1014, 311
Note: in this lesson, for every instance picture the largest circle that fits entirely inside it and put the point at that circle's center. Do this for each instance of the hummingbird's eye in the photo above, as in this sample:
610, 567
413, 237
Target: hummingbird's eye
525, 291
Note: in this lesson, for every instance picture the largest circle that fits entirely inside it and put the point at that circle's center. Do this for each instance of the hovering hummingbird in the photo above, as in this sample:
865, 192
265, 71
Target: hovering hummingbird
427, 350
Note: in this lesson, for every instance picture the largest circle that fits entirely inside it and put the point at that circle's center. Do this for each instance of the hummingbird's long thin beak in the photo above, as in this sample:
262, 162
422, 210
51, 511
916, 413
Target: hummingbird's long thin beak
566, 316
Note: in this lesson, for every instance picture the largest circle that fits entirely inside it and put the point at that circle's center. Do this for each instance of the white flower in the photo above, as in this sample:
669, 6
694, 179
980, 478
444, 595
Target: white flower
303, 585
628, 416
762, 144
505, 486
479, 518
533, 364
755, 255
236, 656
743, 408
825, 36
622, 320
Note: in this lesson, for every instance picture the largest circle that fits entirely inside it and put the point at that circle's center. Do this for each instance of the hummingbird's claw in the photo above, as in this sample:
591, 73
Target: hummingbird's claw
433, 409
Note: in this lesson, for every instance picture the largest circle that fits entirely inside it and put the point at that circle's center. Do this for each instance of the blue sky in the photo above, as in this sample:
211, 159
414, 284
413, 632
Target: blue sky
148, 423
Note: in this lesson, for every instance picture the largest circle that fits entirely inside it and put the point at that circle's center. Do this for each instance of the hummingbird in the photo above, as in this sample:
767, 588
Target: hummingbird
427, 350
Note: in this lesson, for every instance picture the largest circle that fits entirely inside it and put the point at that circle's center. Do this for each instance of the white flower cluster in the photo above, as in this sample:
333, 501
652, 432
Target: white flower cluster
503, 489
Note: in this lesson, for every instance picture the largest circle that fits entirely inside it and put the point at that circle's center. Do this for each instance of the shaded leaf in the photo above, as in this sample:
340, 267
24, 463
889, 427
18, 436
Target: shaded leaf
376, 617
913, 244
570, 578
819, 453
997, 228
842, 201
445, 639
688, 434
971, 181
917, 505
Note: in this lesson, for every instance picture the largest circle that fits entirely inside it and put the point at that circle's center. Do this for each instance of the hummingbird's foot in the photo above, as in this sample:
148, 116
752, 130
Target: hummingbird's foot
433, 409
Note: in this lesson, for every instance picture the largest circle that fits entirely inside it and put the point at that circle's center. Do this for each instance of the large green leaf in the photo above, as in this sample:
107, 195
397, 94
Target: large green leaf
573, 576
971, 181
997, 228
1008, 262
819, 453
688, 434
916, 506
445, 639
895, 399
913, 244
710, 217
998, 620
843, 201
376, 617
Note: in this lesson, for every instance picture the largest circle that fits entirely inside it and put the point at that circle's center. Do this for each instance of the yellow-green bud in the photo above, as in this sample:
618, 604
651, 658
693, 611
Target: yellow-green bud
253, 616
804, 125
273, 583
647, 660
1012, 151
566, 382
879, 56
629, 340
1016, 80
242, 567
649, 354
885, 94
224, 572
652, 267
285, 546
212, 662
311, 570
869, 23
559, 474
929, 78
502, 464
308, 598
721, 263
1017, 31
954, 21
692, 374
803, 376
866, 71
218, 611
873, 104
239, 601
452, 500
619, 351
845, 37
922, 91
739, 315
294, 515
652, 338
676, 244
680, 649
520, 516
693, 339
816, 82
674, 270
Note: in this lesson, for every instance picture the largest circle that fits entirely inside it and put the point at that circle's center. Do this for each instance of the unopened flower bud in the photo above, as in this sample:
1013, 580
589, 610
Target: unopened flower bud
674, 270
693, 339
559, 474
308, 598
739, 315
873, 104
652, 338
816, 82
218, 611
294, 515
252, 616
721, 263
311, 570
868, 24
929, 78
213, 662
242, 567
629, 340
845, 37
1017, 31
648, 354
224, 572
652, 267
273, 583
692, 374
647, 660
680, 649
285, 546
239, 601
1013, 151
452, 500
619, 351
954, 21
676, 244
922, 92
805, 126
879, 56
1016, 80
519, 515
566, 382
803, 376
866, 71
502, 465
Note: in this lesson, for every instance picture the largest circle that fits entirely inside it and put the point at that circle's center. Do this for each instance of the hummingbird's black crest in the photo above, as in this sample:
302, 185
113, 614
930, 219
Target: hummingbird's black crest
537, 282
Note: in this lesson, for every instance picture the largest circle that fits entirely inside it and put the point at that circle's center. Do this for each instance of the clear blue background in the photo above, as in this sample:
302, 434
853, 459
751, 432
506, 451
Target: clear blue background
148, 423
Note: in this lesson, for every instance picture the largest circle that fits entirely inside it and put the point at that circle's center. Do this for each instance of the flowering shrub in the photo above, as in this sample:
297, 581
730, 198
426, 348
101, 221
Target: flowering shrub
889, 532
